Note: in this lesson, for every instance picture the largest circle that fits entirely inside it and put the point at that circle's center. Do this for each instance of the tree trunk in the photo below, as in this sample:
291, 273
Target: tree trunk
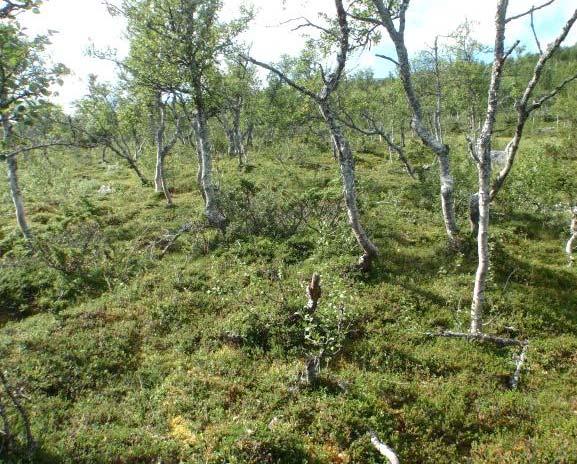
249, 134
483, 153
474, 213
447, 196
137, 171
15, 192
484, 202
160, 184
235, 136
214, 216
573, 238
347, 168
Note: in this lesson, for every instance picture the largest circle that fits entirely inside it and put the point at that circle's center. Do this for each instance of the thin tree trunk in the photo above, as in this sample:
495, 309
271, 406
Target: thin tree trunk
429, 139
160, 184
482, 248
483, 152
347, 168
212, 212
447, 196
15, 192
571, 242
132, 164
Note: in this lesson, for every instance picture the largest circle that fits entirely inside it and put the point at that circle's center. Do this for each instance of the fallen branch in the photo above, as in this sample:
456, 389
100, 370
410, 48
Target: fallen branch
168, 240
518, 366
385, 450
500, 341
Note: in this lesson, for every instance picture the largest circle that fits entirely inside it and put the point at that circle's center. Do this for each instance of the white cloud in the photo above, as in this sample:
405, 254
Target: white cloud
81, 22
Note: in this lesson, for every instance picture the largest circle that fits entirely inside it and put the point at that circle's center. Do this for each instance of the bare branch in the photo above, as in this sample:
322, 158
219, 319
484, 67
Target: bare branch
480, 337
472, 150
535, 34
15, 153
308, 23
383, 449
282, 76
388, 58
524, 109
518, 366
511, 49
530, 11
537, 104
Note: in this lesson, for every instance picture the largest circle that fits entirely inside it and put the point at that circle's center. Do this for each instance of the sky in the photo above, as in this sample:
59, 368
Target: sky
82, 23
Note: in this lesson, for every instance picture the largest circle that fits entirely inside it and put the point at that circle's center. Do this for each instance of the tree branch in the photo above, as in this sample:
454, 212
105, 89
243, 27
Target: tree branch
388, 58
530, 11
383, 449
535, 34
282, 76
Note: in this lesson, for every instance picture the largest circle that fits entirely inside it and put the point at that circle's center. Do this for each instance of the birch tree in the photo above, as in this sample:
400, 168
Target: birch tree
109, 117
573, 237
25, 82
392, 17
322, 98
482, 148
191, 41
237, 89
163, 143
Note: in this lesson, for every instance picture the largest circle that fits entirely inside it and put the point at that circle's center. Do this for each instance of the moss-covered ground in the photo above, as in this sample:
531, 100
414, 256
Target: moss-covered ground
123, 357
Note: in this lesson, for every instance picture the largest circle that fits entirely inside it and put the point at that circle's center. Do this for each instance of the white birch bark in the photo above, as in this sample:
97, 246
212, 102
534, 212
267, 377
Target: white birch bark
571, 242
483, 154
435, 144
340, 143
163, 148
213, 214
347, 169
525, 106
12, 170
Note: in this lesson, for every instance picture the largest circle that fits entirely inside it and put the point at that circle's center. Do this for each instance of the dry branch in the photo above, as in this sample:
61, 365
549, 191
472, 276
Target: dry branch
518, 366
385, 450
314, 292
480, 337
530, 11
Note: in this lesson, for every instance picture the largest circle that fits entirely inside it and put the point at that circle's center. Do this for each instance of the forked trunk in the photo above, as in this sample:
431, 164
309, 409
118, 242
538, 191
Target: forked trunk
347, 168
160, 184
213, 214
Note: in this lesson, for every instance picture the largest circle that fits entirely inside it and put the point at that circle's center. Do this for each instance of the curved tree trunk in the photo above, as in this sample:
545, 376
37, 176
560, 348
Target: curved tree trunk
347, 168
137, 171
432, 141
15, 192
